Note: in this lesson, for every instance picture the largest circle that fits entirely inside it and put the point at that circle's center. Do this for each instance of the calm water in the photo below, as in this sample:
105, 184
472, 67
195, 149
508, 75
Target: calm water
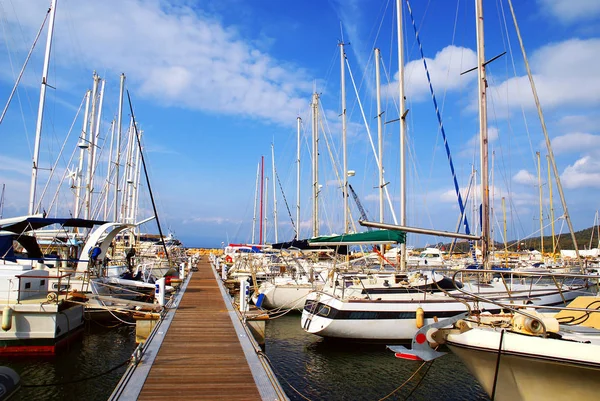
329, 370
99, 349
317, 369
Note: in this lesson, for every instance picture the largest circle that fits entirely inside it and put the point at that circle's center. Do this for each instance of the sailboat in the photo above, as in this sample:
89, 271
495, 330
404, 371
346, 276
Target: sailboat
406, 305
522, 353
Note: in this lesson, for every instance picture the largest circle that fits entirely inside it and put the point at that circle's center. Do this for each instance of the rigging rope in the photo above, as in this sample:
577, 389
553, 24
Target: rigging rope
286, 202
447, 147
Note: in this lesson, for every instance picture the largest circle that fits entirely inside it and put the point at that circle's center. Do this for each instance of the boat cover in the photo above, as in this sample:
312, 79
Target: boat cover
365, 238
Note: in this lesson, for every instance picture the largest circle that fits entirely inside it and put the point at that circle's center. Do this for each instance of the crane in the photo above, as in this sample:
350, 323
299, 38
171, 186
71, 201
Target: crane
363, 214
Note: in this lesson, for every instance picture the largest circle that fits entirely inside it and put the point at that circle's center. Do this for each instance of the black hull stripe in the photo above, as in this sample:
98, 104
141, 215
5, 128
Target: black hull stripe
329, 312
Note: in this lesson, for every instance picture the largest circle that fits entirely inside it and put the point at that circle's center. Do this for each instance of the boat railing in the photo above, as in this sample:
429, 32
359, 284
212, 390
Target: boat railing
51, 295
523, 309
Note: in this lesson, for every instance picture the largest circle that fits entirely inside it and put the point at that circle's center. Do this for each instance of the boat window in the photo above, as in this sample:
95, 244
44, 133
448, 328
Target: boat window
27, 285
324, 311
63, 287
42, 282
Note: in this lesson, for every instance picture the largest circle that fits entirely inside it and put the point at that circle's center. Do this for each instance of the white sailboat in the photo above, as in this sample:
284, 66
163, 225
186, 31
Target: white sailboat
522, 353
397, 315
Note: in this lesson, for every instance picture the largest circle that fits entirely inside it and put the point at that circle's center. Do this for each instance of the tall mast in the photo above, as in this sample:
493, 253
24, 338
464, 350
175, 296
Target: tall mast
403, 112
128, 180
82, 146
482, 84
136, 178
262, 189
344, 144
551, 207
539, 168
91, 149
40, 116
255, 201
299, 121
379, 132
118, 159
274, 193
315, 160
110, 156
546, 137
266, 205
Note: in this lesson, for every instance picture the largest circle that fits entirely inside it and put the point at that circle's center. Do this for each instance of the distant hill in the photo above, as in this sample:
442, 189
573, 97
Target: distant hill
564, 242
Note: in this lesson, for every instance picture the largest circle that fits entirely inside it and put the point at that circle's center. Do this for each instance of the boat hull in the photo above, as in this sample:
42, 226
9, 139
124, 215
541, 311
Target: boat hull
391, 320
526, 374
285, 296
41, 329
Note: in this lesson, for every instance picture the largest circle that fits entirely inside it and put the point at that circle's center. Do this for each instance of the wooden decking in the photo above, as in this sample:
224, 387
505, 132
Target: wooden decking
201, 356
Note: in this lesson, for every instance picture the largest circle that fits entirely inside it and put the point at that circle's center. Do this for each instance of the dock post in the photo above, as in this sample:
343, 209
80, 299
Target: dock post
159, 293
244, 290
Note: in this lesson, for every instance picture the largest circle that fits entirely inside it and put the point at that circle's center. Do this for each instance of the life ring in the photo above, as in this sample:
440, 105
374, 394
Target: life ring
228, 259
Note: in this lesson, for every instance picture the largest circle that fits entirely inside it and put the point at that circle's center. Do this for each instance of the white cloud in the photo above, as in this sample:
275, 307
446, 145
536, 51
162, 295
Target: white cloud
15, 165
565, 74
445, 69
173, 54
568, 11
524, 177
585, 172
578, 123
211, 220
576, 142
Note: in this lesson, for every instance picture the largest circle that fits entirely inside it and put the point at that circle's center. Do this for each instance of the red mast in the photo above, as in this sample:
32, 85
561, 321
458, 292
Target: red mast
262, 187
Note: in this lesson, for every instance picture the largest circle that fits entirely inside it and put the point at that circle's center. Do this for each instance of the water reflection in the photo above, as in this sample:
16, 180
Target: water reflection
318, 369
100, 349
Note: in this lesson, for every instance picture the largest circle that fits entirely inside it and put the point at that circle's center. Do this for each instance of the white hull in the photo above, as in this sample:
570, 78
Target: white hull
38, 328
389, 320
531, 368
285, 296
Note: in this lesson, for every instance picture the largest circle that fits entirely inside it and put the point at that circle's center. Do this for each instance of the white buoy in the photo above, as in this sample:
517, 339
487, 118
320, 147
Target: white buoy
159, 293
244, 290
7, 318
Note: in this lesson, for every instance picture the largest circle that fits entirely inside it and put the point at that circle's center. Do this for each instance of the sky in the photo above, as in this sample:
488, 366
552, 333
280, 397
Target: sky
217, 85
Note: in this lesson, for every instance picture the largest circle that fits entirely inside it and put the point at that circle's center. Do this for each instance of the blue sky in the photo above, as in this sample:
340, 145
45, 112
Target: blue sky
215, 83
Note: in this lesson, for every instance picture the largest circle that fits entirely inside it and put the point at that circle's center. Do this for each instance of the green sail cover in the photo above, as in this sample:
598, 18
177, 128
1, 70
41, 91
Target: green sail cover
369, 237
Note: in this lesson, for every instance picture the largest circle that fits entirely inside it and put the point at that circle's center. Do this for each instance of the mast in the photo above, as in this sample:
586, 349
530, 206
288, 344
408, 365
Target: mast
136, 184
91, 149
110, 155
2, 200
299, 121
403, 111
546, 137
505, 243
266, 205
262, 188
255, 201
379, 132
539, 168
118, 159
344, 143
40, 116
551, 208
315, 160
482, 85
274, 193
82, 146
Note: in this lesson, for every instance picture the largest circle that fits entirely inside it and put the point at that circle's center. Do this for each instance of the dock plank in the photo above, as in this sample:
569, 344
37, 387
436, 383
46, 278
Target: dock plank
201, 356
